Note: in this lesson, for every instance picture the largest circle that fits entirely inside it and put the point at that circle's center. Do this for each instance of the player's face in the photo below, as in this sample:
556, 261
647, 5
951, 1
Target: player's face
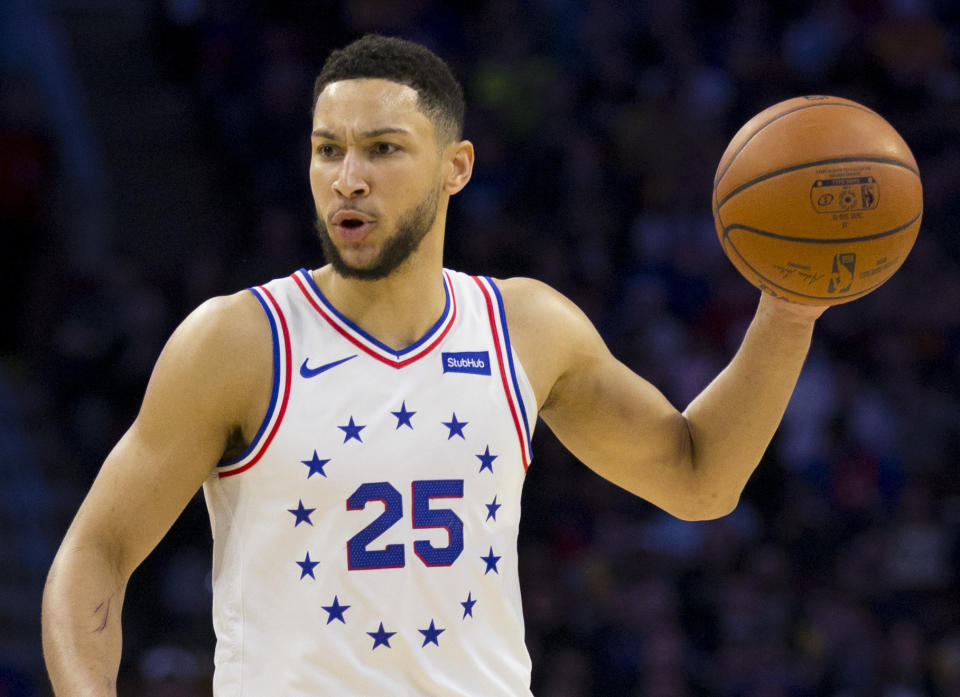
375, 174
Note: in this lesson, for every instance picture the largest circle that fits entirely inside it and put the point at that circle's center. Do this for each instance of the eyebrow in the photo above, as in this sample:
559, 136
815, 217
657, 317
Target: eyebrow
376, 132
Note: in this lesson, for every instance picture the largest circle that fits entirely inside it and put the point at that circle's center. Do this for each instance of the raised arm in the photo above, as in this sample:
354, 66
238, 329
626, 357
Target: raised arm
208, 389
693, 464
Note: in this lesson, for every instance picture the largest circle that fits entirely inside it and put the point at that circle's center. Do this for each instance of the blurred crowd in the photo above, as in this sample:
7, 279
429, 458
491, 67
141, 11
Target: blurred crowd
598, 126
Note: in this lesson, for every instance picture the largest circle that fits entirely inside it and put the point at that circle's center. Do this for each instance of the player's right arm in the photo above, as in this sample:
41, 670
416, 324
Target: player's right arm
209, 388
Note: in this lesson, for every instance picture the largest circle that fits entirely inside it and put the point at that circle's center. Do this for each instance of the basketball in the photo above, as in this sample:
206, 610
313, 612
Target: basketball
817, 200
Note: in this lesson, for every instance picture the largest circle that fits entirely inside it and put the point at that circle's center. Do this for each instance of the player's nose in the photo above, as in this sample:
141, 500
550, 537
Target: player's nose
351, 181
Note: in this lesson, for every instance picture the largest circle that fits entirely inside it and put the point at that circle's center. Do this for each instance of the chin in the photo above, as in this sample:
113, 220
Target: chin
361, 269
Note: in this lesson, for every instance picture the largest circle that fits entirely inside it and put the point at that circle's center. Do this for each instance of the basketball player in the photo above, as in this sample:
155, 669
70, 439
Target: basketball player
361, 431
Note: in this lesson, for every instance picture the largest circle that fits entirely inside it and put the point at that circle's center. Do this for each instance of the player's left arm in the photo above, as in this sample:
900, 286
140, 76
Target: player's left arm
694, 464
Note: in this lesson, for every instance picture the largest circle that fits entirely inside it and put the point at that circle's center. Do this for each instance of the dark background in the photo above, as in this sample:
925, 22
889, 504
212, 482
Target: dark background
154, 153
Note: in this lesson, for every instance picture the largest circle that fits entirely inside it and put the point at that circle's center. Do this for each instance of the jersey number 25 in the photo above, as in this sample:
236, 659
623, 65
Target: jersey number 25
392, 556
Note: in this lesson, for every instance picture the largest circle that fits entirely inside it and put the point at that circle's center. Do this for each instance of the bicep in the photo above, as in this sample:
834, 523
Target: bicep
192, 403
610, 418
620, 425
139, 492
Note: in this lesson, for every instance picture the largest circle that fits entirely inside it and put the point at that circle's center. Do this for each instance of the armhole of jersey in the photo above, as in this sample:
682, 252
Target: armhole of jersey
511, 371
280, 390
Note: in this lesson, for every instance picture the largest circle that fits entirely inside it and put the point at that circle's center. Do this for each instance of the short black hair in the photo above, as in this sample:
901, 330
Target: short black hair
439, 95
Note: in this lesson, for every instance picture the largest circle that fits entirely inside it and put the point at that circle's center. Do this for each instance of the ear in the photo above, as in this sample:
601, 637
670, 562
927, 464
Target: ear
458, 166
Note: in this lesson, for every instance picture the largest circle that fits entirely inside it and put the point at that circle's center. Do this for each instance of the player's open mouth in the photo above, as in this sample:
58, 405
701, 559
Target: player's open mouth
352, 226
352, 231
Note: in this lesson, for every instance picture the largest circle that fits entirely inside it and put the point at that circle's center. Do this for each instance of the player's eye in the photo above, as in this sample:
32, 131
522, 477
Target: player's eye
326, 150
384, 148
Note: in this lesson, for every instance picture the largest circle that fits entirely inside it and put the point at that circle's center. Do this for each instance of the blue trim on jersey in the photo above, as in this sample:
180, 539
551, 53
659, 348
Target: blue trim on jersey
276, 385
513, 371
383, 347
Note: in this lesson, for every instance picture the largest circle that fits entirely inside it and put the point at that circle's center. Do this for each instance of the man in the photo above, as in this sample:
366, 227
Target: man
362, 430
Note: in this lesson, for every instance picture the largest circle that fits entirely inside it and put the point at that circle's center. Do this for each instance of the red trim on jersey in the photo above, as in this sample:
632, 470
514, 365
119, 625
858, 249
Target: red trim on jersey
503, 371
366, 349
286, 389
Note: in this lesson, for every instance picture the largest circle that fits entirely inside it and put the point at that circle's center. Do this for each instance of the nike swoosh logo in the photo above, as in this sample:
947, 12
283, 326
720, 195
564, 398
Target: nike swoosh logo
313, 372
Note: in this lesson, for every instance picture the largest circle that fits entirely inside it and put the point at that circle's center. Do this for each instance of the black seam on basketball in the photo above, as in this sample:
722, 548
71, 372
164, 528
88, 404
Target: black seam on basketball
849, 296
716, 212
831, 161
716, 181
816, 240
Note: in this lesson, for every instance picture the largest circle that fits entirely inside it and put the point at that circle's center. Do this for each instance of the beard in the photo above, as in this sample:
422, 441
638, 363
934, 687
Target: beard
412, 227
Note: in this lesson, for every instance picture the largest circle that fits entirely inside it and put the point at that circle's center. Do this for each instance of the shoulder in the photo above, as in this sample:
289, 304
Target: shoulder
532, 303
548, 331
212, 380
226, 324
221, 352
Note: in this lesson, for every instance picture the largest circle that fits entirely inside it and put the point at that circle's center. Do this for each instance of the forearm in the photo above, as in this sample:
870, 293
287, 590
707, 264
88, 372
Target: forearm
733, 420
82, 603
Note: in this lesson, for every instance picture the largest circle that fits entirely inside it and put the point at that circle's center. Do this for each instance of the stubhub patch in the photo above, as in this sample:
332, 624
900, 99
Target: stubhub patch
476, 362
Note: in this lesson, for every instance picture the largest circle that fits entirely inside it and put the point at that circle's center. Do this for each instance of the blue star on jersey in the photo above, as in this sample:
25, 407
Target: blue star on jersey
486, 460
306, 567
468, 606
492, 508
491, 559
316, 465
430, 634
404, 416
335, 611
352, 431
302, 514
456, 427
381, 637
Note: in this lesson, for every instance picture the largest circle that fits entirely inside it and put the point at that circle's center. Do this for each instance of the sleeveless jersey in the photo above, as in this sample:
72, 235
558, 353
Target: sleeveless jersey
365, 541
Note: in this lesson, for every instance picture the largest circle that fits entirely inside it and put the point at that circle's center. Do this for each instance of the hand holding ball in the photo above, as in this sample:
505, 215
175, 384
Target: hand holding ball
817, 200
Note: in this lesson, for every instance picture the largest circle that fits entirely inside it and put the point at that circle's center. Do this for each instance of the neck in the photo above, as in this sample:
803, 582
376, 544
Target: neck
397, 310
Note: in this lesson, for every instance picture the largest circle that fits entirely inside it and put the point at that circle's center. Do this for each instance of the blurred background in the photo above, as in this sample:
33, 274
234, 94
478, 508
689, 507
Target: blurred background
153, 153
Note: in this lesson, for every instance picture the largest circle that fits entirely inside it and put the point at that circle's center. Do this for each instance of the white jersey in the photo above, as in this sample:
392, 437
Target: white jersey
365, 541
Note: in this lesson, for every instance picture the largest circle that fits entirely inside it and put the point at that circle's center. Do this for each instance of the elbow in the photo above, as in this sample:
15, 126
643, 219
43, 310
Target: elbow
702, 508
703, 498
703, 495
707, 498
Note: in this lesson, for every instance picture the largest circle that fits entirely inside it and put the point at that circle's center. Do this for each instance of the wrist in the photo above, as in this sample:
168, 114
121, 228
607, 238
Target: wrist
789, 313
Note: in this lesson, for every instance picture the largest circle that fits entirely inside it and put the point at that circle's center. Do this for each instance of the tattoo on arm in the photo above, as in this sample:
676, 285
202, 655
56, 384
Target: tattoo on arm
105, 607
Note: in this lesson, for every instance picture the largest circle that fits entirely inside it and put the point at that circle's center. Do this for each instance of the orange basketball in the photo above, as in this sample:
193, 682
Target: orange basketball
817, 200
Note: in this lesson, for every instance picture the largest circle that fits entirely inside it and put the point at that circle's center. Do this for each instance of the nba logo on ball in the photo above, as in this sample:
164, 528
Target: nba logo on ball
817, 200
841, 278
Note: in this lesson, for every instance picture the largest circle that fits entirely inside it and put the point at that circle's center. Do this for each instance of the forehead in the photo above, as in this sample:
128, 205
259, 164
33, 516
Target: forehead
368, 104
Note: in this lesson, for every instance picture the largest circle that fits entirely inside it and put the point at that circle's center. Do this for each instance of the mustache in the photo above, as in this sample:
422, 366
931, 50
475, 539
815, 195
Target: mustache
350, 211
